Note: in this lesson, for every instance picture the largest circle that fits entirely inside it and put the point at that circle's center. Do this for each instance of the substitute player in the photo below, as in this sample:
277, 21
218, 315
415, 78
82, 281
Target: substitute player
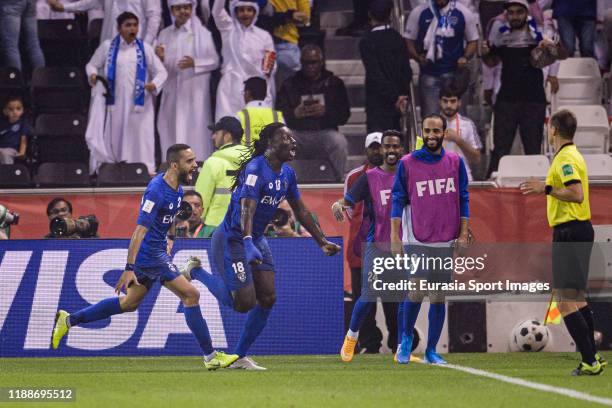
569, 214
430, 192
240, 250
374, 189
149, 260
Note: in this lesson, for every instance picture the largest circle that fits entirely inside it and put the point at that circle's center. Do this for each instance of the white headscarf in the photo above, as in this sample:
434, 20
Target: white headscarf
243, 3
200, 33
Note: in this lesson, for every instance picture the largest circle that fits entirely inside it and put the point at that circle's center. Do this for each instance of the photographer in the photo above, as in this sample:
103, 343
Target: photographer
7, 218
64, 226
193, 226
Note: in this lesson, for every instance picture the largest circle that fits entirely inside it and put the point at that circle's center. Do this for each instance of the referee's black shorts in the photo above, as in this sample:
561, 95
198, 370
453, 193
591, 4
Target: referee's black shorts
572, 245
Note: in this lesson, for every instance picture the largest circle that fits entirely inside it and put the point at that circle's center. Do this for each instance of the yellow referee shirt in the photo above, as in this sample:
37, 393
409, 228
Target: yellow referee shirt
567, 167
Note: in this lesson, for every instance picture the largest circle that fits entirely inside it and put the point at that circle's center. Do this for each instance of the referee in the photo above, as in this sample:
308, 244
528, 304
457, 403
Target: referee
569, 214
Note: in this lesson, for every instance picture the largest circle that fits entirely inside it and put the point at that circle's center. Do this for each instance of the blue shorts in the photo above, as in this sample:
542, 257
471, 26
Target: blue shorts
148, 275
229, 259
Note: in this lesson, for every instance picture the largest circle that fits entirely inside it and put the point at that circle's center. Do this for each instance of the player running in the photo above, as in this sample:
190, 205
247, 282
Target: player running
149, 260
240, 251
374, 188
431, 193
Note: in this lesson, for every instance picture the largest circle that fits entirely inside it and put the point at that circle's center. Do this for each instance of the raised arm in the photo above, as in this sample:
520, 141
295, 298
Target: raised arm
153, 15
222, 19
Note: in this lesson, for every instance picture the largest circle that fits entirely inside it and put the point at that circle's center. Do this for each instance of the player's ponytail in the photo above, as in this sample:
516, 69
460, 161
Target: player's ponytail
259, 148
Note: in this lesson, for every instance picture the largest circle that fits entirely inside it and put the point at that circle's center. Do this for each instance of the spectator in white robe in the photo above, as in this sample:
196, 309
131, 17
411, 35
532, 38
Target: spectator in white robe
44, 12
147, 11
124, 125
189, 55
245, 50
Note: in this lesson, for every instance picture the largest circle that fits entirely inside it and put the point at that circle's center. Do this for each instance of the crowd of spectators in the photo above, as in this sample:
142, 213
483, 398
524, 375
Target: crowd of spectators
154, 71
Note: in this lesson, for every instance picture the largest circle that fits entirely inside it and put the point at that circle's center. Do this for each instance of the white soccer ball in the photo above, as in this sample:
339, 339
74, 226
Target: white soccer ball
529, 335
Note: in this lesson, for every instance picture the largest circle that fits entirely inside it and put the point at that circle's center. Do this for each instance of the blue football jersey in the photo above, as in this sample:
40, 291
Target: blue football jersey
158, 207
262, 184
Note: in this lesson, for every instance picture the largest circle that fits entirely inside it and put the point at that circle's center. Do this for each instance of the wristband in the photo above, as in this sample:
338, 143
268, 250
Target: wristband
247, 237
129, 267
548, 190
171, 237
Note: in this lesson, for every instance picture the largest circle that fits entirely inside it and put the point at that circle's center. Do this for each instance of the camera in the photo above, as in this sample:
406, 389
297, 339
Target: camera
7, 218
280, 218
85, 227
185, 211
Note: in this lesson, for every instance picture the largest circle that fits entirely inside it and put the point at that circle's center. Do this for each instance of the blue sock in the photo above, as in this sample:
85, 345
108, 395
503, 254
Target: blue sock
215, 285
101, 310
255, 323
401, 321
437, 312
360, 311
197, 325
411, 312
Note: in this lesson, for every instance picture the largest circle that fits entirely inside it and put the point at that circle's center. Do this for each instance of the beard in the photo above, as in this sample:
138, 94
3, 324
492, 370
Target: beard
184, 178
436, 147
376, 159
517, 24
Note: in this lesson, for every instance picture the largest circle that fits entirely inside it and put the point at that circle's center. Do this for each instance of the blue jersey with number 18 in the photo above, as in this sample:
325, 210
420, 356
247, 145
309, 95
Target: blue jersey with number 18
262, 184
158, 207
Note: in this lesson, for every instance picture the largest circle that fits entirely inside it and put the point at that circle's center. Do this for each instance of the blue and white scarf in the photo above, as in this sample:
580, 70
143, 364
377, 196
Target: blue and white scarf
439, 28
533, 29
141, 72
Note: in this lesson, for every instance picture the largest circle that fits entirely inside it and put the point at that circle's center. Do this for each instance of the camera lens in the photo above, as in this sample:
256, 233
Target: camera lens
185, 211
58, 227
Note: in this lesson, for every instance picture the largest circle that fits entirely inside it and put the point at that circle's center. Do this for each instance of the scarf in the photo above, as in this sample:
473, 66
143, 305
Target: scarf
533, 29
141, 72
439, 28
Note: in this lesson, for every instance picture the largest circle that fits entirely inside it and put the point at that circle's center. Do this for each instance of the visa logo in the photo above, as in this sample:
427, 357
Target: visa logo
436, 187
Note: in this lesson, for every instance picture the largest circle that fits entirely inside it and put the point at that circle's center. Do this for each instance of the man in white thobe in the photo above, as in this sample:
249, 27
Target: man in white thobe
124, 125
147, 11
244, 48
189, 55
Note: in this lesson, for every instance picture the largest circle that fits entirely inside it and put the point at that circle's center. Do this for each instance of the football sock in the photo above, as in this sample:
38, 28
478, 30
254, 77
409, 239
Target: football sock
401, 321
411, 312
353, 334
197, 325
587, 314
360, 311
215, 284
579, 330
255, 323
101, 310
437, 312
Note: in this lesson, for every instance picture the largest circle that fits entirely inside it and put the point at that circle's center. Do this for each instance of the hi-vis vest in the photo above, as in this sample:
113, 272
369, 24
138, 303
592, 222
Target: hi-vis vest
254, 119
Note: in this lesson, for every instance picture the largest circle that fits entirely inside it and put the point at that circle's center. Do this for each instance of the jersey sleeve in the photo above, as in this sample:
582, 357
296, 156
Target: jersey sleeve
293, 193
568, 171
464, 194
152, 200
359, 191
399, 194
252, 184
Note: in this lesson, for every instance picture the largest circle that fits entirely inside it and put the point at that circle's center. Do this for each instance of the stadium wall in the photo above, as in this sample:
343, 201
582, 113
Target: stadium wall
40, 276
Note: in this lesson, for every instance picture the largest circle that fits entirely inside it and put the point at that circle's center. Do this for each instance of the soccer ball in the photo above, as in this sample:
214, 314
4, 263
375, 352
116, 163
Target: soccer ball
529, 335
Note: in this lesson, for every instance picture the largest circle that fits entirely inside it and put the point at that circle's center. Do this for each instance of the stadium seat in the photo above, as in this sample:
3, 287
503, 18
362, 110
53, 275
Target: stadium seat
14, 176
580, 83
58, 90
599, 166
11, 83
313, 171
62, 42
513, 170
62, 175
61, 138
600, 266
592, 134
123, 175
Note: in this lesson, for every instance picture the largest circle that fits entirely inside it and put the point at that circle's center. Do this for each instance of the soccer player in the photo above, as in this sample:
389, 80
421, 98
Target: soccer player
240, 251
431, 193
149, 260
374, 189
569, 214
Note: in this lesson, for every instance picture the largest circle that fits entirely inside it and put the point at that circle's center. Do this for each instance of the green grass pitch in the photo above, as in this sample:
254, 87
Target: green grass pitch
304, 381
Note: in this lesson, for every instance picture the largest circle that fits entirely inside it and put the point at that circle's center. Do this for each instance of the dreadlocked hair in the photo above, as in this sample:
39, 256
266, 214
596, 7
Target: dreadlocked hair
258, 148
